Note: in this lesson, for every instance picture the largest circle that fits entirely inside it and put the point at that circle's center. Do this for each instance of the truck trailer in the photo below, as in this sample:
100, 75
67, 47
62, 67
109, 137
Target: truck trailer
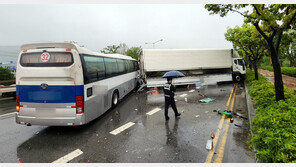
198, 65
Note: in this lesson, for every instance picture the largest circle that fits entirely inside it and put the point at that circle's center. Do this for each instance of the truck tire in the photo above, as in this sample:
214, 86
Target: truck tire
236, 78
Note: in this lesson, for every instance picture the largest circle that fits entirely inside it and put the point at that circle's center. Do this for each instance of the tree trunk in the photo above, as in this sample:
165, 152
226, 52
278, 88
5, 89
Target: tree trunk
278, 80
256, 70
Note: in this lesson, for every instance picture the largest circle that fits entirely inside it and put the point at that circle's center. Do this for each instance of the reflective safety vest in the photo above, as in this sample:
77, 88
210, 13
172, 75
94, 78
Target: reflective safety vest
167, 89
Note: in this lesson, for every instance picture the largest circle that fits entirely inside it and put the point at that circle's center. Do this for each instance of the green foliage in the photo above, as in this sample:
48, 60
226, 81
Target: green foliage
274, 125
7, 82
134, 52
271, 21
290, 71
122, 48
5, 74
247, 41
110, 49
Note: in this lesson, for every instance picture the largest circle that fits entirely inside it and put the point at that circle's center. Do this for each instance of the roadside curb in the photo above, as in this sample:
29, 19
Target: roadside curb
251, 114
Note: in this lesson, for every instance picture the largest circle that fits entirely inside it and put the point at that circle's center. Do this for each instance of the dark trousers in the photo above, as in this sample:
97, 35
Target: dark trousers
168, 102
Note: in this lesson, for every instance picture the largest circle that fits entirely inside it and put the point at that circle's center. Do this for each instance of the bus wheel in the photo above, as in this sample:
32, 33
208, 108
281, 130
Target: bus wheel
115, 99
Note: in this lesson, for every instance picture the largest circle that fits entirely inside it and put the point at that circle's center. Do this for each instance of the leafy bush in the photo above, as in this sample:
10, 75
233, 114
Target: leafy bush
274, 125
5, 74
7, 82
290, 71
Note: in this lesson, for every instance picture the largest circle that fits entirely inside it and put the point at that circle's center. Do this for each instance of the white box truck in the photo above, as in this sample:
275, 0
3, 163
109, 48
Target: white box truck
198, 65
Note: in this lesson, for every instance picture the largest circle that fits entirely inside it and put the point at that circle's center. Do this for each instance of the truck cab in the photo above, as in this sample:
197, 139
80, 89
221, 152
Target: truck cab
238, 69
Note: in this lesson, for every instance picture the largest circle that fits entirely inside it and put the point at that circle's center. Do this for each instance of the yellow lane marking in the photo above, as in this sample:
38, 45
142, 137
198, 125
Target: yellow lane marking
211, 152
234, 85
222, 144
232, 103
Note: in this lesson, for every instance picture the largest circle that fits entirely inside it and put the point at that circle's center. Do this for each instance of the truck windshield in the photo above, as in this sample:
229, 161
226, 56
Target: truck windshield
241, 62
46, 59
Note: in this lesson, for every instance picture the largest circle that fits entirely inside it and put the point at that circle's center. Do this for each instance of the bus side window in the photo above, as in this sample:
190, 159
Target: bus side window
95, 68
131, 66
111, 67
121, 66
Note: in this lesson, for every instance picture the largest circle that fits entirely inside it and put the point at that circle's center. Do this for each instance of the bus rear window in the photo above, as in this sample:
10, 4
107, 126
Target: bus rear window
46, 59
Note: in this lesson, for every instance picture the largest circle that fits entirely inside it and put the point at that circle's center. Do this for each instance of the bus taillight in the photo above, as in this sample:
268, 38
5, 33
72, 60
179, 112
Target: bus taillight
79, 105
17, 103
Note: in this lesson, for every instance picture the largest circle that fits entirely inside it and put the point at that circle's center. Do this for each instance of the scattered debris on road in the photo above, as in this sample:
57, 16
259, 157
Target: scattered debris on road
196, 116
226, 113
186, 99
206, 100
213, 135
206, 112
202, 95
231, 120
241, 126
209, 145
236, 114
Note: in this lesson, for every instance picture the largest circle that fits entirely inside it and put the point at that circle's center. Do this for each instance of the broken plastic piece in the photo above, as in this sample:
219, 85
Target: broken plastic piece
209, 145
231, 120
202, 95
196, 116
206, 100
226, 113
213, 135
241, 126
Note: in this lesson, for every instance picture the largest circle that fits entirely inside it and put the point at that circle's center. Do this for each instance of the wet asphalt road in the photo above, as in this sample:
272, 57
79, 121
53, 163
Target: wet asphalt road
150, 139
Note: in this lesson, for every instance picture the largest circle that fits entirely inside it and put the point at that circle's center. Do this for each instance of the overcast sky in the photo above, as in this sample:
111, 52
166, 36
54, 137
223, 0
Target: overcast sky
99, 25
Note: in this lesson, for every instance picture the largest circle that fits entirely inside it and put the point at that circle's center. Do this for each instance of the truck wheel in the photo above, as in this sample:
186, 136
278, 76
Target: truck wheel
237, 78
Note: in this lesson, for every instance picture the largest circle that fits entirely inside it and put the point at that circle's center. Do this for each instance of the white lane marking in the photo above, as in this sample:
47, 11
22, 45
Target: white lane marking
153, 111
8, 114
69, 156
191, 91
183, 95
122, 128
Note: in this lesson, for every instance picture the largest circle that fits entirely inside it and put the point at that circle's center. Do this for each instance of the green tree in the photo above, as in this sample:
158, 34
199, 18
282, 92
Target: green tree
110, 49
290, 47
134, 52
122, 48
270, 20
5, 74
248, 41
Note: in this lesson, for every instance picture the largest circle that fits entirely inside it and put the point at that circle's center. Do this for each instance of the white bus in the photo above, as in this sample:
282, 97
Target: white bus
61, 84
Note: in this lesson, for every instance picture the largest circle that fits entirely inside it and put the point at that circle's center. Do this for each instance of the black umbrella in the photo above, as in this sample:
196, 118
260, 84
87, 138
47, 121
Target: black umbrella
173, 74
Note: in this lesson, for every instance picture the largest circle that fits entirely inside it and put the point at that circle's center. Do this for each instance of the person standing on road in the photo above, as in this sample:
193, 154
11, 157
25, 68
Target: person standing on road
169, 94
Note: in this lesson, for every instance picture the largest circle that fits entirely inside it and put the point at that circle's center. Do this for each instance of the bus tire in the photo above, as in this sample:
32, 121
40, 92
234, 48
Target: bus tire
115, 98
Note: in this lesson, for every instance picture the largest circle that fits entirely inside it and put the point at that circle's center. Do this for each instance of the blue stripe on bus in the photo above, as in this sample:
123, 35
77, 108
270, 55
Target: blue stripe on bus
52, 94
